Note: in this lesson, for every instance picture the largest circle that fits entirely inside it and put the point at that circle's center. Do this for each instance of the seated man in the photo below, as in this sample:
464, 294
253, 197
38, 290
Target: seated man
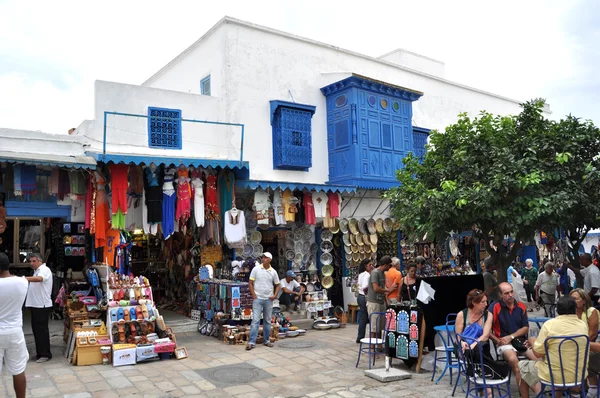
510, 322
566, 324
291, 291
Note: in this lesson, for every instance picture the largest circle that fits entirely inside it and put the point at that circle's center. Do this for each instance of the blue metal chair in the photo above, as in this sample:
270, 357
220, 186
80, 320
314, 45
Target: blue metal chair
568, 382
471, 363
373, 342
453, 342
447, 348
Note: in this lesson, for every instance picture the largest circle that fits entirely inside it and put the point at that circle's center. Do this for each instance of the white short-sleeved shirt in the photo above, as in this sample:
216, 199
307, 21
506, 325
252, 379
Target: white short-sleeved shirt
591, 278
363, 282
13, 290
39, 293
264, 281
290, 286
547, 283
320, 203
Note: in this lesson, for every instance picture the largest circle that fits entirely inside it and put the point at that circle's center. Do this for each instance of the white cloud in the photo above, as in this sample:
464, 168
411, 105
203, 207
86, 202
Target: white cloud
513, 48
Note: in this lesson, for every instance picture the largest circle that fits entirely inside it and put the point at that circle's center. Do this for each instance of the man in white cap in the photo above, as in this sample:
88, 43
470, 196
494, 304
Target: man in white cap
264, 287
291, 291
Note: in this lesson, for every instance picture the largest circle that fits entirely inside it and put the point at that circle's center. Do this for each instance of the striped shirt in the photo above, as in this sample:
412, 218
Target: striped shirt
264, 281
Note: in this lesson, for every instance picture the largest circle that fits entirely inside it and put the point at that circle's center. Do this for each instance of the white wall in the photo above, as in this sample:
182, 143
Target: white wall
129, 135
414, 61
12, 140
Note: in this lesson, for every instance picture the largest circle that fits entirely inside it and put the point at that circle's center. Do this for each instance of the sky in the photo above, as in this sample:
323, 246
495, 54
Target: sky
51, 52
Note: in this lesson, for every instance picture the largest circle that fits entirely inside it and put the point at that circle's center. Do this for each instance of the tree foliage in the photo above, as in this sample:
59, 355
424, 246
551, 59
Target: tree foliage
502, 176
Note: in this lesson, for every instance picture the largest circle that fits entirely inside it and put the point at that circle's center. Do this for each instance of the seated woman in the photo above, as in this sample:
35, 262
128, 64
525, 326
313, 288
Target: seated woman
409, 285
475, 321
587, 313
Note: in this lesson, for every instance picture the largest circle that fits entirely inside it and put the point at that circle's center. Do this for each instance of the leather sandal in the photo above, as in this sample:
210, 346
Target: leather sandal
139, 314
249, 347
150, 327
145, 311
138, 328
132, 329
115, 333
269, 344
144, 327
121, 327
127, 316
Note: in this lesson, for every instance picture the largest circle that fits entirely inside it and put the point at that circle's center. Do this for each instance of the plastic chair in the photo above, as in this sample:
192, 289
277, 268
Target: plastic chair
562, 384
476, 381
447, 348
373, 342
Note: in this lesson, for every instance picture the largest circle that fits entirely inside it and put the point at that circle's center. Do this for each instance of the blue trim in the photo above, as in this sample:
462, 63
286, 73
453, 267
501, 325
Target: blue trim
147, 159
276, 104
293, 185
37, 209
357, 183
366, 83
206, 79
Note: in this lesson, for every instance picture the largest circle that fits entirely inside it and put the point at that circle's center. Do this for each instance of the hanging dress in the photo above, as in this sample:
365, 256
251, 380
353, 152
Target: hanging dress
102, 212
225, 184
289, 210
168, 204
261, 206
184, 196
198, 185
153, 195
309, 209
211, 232
235, 229
335, 199
278, 208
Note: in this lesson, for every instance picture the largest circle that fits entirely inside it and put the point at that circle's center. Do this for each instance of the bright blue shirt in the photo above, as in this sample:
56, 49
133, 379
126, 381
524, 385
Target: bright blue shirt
509, 274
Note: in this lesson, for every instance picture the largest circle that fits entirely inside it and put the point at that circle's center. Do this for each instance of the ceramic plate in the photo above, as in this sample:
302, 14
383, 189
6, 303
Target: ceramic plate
396, 226
255, 237
258, 250
289, 255
343, 225
250, 221
352, 240
362, 226
379, 226
289, 235
348, 249
356, 257
373, 248
337, 241
312, 258
298, 247
388, 224
298, 234
367, 248
359, 240
373, 239
326, 246
289, 244
310, 287
353, 226
326, 258
354, 248
346, 239
306, 247
336, 227
298, 258
248, 250
327, 282
306, 233
348, 256
305, 258
326, 235
371, 226
314, 248
327, 270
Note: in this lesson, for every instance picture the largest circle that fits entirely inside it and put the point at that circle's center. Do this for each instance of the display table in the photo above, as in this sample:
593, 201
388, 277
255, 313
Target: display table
450, 298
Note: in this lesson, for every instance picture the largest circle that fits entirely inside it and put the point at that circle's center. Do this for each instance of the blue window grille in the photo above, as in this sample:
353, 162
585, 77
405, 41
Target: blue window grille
292, 140
164, 128
419, 141
205, 86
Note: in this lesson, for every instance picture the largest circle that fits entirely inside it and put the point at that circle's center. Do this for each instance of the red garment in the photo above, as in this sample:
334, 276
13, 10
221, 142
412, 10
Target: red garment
334, 204
184, 194
102, 215
88, 202
211, 201
118, 176
309, 209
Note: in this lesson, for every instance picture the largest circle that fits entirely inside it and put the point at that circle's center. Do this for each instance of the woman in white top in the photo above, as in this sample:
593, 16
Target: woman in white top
364, 269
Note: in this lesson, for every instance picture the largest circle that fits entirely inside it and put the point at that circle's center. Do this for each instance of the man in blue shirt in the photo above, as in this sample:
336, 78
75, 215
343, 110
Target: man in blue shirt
510, 272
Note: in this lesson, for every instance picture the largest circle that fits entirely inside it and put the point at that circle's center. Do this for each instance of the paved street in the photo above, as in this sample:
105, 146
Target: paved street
320, 364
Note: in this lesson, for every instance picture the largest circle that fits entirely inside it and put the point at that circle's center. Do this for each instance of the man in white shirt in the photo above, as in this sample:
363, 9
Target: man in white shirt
40, 302
591, 276
13, 350
264, 287
546, 286
365, 268
291, 291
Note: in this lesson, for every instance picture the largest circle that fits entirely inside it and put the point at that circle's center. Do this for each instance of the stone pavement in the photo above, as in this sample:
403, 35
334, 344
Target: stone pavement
320, 364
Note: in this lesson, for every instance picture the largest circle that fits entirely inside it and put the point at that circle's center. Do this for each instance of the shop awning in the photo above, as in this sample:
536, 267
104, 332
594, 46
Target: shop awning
248, 184
147, 159
48, 160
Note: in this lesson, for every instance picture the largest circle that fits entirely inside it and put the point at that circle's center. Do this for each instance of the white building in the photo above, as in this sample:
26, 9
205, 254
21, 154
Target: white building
237, 69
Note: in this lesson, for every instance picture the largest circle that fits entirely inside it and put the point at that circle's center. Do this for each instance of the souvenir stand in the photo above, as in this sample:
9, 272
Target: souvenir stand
405, 334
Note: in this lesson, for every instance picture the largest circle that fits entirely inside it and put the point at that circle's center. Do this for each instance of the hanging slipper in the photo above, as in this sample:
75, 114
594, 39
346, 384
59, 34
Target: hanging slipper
145, 311
121, 327
139, 314
132, 314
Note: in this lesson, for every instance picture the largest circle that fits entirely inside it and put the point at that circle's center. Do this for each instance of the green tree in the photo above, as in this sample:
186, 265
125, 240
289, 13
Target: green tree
501, 176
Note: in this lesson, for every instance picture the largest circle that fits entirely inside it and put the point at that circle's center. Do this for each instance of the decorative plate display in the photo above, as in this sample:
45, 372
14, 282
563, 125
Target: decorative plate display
367, 248
359, 240
326, 246
289, 244
402, 322
255, 237
298, 247
298, 234
326, 259
336, 226
379, 226
258, 250
306, 247
373, 249
361, 249
356, 257
248, 250
326, 235
355, 249
373, 238
353, 226
298, 258
312, 258
413, 349
289, 255
362, 226
396, 226
327, 282
402, 347
388, 224
371, 226
306, 233
250, 221
343, 225
289, 235
348, 249
305, 258
352, 240
314, 248
327, 270
337, 241
310, 287
348, 256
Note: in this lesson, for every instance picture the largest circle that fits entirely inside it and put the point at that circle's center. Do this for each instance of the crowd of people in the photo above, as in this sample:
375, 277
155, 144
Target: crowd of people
35, 292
